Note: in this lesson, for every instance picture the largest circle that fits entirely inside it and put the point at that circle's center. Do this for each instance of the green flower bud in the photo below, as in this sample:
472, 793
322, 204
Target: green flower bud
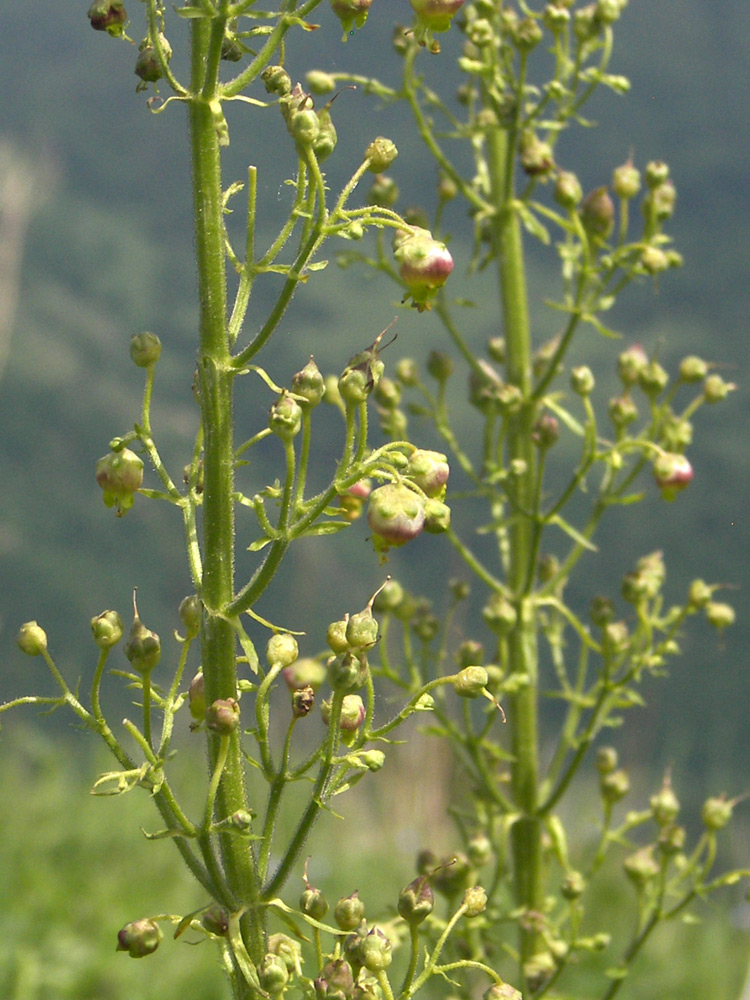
437, 517
699, 594
665, 805
659, 203
502, 991
626, 181
480, 850
389, 597
545, 432
641, 867
197, 697
191, 614
276, 80
470, 682
693, 369
109, 16
500, 614
347, 671
631, 363
376, 951
654, 260
362, 629
288, 950
32, 639
527, 34
349, 912
351, 13
429, 470
107, 629
336, 636
309, 384
143, 648
384, 192
573, 886
381, 153
139, 938
147, 64
319, 82
715, 389
313, 903
672, 839
223, 716
119, 474
232, 48
614, 786
285, 417
606, 760
273, 974
326, 139
568, 193
475, 901
216, 920
622, 411
657, 172
407, 371
720, 615
282, 649
145, 349
539, 969
716, 813
537, 159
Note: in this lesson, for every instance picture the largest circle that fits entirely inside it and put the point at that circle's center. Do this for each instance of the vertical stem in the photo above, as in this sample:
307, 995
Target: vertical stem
522, 642
216, 384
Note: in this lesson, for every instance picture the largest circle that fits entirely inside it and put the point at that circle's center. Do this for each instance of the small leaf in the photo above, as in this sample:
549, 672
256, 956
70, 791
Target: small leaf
259, 544
573, 533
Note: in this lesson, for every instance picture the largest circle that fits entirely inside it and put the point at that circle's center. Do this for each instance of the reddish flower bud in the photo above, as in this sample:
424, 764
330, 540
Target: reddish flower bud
395, 513
304, 673
197, 697
429, 470
598, 214
351, 13
424, 264
673, 472
109, 16
223, 716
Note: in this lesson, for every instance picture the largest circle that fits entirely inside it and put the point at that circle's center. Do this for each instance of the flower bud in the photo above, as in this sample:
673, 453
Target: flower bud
470, 682
285, 417
32, 639
659, 203
107, 629
439, 365
143, 648
568, 192
232, 49
665, 805
614, 786
437, 517
657, 172
672, 839
654, 260
362, 629
191, 613
424, 264
282, 649
109, 16
653, 379
384, 192
429, 470
475, 901
716, 813
641, 867
273, 974
223, 716
349, 912
276, 80
536, 155
715, 389
626, 181
309, 384
720, 615
347, 670
672, 472
352, 712
313, 903
304, 673
631, 363
500, 614
416, 901
699, 594
582, 380
693, 369
381, 153
502, 991
288, 950
216, 920
606, 760
145, 349
326, 139
395, 513
351, 13
139, 938
389, 597
573, 886
119, 474
598, 214
319, 82
197, 697
545, 432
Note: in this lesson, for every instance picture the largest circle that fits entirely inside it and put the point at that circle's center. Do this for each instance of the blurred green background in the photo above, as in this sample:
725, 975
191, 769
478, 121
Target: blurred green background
98, 246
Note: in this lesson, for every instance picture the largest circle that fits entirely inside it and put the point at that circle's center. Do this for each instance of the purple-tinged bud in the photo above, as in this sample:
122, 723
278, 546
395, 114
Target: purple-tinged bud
349, 912
145, 349
32, 639
502, 991
429, 470
606, 760
424, 264
716, 812
216, 920
273, 974
304, 673
119, 474
545, 432
614, 786
475, 901
470, 682
197, 697
241, 820
309, 385
598, 214
568, 192
109, 16
107, 629
336, 981
147, 64
715, 389
395, 514
641, 867
416, 901
693, 369
433, 15
626, 181
573, 885
347, 670
537, 159
191, 613
352, 712
139, 938
657, 172
381, 153
223, 716
631, 363
285, 417
143, 648
282, 649
720, 615
303, 701
672, 472
376, 951
351, 13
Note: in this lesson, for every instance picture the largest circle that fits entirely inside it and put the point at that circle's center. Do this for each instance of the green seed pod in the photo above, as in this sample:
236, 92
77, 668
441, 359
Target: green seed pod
500, 614
139, 938
232, 49
716, 389
143, 648
319, 82
384, 192
223, 716
288, 950
347, 671
285, 417
326, 139
191, 614
657, 172
470, 682
273, 974
107, 629
631, 363
349, 912
32, 639
109, 16
537, 159
502, 991
693, 369
672, 839
573, 886
437, 517
335, 982
389, 597
665, 805
282, 649
309, 384
376, 951
381, 153
626, 181
699, 594
216, 920
622, 411
145, 349
416, 901
336, 636
362, 629
614, 786
720, 615
606, 760
568, 192
197, 697
313, 903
